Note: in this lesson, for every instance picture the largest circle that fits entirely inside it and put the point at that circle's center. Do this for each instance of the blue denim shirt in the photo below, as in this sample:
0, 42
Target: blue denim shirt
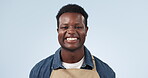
44, 68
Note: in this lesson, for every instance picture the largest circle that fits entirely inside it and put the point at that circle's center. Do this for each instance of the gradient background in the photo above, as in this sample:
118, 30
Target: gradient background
118, 34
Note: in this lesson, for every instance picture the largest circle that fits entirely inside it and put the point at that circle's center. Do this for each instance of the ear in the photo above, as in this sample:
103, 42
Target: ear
57, 30
86, 29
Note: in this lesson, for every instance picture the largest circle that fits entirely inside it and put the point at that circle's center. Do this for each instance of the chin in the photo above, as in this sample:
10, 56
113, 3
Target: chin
71, 48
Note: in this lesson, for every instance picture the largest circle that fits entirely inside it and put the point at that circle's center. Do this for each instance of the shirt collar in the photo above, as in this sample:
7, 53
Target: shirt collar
88, 63
57, 63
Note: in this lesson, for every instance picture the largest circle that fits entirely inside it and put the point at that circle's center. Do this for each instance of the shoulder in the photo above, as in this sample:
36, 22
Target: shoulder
103, 69
44, 66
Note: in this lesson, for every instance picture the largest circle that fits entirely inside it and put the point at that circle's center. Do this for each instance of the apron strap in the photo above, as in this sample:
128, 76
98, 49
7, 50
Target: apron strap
94, 69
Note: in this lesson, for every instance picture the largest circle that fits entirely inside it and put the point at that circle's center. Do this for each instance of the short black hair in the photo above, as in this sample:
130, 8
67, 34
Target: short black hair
72, 8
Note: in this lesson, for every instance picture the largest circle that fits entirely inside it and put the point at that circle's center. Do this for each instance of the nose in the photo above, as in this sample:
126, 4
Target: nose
71, 30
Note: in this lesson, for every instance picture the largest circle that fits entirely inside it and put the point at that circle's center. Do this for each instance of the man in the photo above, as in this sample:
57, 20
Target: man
73, 59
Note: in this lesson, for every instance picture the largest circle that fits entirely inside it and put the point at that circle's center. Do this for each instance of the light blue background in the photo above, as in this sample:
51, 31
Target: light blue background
118, 34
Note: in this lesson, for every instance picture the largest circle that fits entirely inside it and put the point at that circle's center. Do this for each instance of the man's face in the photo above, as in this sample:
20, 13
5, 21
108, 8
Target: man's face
71, 31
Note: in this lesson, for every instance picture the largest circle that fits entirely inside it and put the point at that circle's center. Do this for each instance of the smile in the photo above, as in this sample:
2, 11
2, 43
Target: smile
71, 39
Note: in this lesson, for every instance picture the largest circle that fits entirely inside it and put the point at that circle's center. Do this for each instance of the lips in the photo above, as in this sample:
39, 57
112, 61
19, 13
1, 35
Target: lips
71, 40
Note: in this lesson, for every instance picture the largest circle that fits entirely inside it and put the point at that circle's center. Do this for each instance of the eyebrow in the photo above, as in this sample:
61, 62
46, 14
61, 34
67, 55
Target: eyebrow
74, 24
64, 24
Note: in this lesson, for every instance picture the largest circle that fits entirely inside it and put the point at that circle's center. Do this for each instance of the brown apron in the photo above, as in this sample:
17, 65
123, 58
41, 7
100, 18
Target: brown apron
75, 73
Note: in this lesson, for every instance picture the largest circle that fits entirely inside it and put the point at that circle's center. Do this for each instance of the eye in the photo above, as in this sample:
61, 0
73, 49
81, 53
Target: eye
64, 27
78, 27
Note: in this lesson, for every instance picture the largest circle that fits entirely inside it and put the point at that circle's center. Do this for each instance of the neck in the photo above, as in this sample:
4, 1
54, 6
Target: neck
72, 56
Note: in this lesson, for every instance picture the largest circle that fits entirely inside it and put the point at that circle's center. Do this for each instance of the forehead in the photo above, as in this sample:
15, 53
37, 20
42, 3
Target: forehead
66, 17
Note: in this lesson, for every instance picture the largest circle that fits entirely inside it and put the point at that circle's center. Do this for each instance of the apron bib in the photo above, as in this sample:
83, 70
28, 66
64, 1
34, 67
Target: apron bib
75, 73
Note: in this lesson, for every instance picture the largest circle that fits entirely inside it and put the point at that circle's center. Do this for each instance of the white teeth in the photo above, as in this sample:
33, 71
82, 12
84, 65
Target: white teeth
71, 38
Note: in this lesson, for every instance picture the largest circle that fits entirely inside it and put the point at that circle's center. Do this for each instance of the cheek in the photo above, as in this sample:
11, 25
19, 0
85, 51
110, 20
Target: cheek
83, 34
60, 38
61, 35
